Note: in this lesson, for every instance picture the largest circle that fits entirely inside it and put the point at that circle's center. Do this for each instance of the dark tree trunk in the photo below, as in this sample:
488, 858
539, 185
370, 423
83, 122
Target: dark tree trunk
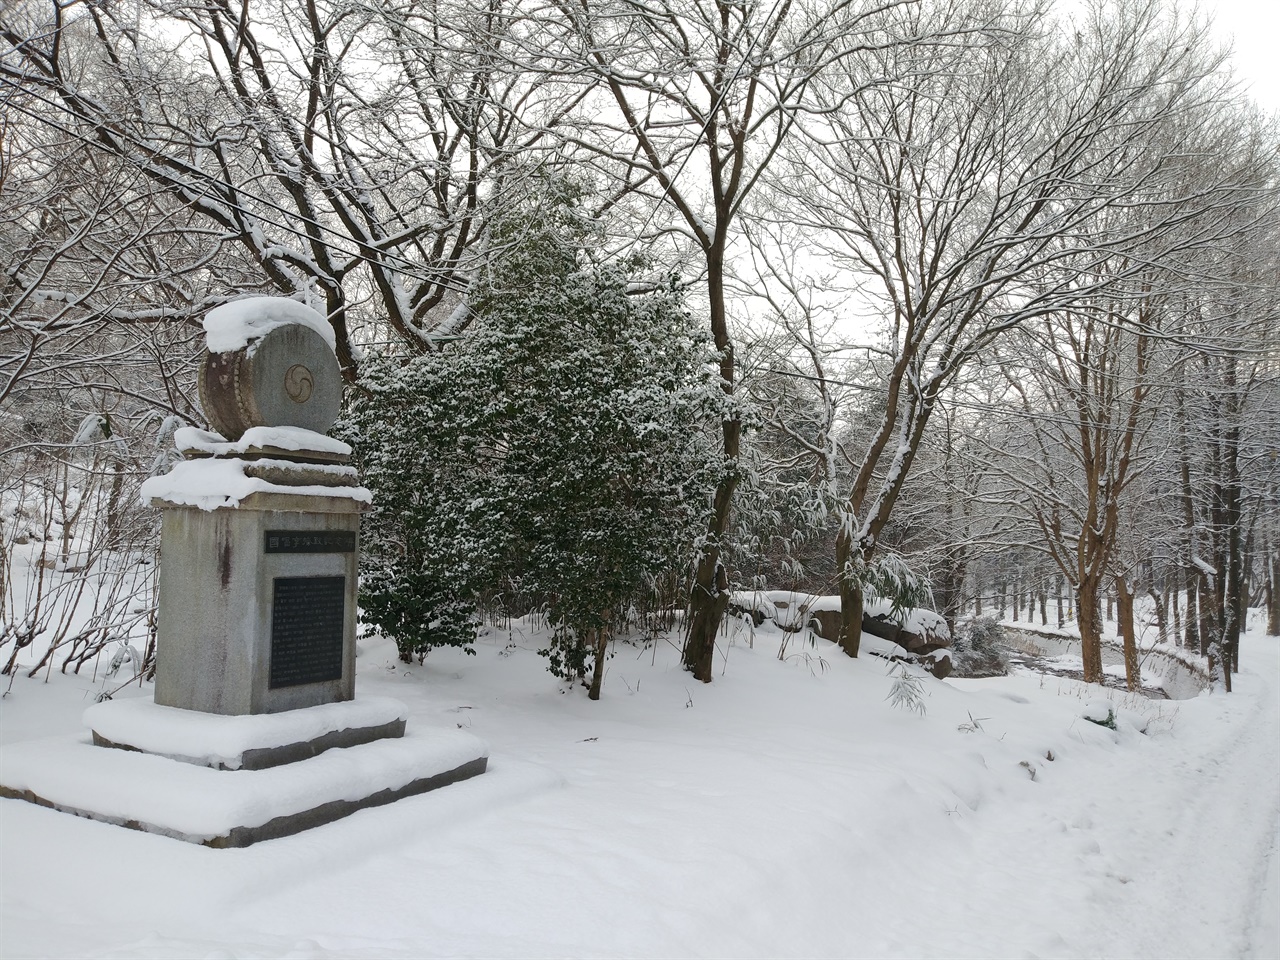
1273, 593
1234, 579
710, 595
1193, 641
1089, 618
600, 640
1160, 604
1206, 595
1177, 617
1124, 611
1191, 579
850, 598
949, 592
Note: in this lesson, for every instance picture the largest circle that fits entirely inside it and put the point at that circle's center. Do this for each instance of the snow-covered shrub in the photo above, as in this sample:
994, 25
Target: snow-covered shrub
561, 451
1100, 712
977, 649
422, 430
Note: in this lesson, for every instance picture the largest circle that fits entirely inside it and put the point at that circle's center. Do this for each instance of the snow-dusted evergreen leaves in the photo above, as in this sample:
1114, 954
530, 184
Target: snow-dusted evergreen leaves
560, 454
430, 543
977, 650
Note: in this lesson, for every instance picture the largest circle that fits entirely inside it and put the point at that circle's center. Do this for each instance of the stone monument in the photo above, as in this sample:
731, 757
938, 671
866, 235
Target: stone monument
256, 621
274, 628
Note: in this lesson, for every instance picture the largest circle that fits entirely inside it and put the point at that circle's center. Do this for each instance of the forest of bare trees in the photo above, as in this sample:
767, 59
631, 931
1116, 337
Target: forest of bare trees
987, 291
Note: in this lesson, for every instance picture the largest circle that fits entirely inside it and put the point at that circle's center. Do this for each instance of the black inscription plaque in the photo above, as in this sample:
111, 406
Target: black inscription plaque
309, 541
306, 630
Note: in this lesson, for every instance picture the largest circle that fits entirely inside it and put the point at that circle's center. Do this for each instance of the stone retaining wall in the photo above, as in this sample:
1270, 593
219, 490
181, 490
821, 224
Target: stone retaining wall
1178, 678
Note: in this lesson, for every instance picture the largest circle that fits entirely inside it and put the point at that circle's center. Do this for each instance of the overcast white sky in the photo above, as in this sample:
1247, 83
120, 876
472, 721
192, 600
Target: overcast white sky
1253, 28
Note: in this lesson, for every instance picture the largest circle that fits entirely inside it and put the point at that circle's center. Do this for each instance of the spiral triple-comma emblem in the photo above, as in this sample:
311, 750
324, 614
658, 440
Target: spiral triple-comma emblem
298, 383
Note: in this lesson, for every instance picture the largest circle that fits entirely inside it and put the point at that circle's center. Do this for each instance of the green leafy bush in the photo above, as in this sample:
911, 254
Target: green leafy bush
560, 451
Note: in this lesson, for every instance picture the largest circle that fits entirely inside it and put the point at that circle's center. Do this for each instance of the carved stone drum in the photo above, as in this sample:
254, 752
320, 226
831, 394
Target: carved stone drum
288, 377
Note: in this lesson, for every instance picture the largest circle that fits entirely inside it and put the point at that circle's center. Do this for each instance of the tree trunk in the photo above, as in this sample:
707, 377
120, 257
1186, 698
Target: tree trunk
850, 598
1273, 594
1235, 578
1206, 596
1160, 603
850, 622
601, 640
1124, 612
1192, 641
1062, 622
1089, 618
710, 595
949, 592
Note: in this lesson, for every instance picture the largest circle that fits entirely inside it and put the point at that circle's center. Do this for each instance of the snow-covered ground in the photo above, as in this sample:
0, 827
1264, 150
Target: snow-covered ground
787, 809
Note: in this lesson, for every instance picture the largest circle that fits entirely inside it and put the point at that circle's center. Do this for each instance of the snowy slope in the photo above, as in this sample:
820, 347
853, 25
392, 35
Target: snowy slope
787, 809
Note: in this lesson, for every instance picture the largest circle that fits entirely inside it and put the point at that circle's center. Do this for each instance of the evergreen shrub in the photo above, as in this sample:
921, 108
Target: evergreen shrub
977, 649
562, 450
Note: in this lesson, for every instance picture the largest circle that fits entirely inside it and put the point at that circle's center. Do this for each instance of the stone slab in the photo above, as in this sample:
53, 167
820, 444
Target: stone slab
244, 742
220, 808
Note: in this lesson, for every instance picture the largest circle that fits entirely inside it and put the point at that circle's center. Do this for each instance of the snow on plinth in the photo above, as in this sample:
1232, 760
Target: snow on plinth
232, 742
235, 325
297, 439
213, 484
233, 808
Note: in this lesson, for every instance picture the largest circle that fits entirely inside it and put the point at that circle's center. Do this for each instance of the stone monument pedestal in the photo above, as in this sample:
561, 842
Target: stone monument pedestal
275, 629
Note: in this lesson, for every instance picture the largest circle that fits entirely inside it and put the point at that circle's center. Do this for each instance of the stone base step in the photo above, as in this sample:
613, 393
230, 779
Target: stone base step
247, 741
233, 808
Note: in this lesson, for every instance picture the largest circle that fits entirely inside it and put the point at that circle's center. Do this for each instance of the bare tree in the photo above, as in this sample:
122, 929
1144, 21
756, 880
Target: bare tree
363, 190
972, 196
1085, 396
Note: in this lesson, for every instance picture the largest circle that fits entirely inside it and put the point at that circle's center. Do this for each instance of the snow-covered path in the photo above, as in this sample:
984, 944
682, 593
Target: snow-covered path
1169, 849
1224, 831
785, 810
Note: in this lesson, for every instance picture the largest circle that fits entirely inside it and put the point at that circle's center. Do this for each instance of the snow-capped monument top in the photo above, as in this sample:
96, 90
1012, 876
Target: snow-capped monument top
237, 324
270, 363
